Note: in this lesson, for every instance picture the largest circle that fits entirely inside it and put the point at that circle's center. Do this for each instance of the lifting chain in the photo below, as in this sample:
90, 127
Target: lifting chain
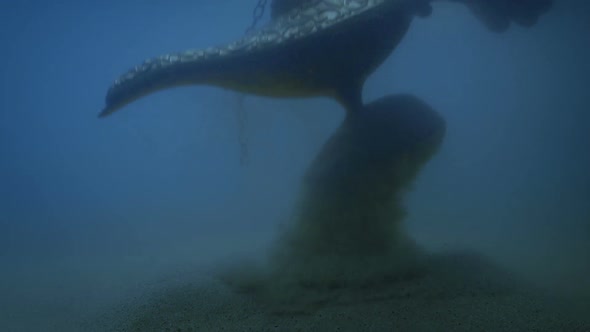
257, 15
242, 137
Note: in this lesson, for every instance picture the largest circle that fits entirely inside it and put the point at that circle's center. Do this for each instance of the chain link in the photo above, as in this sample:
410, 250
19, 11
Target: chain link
257, 15
241, 114
242, 135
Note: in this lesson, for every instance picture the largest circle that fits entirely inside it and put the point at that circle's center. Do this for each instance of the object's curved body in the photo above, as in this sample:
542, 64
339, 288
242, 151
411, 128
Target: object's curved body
322, 48
310, 48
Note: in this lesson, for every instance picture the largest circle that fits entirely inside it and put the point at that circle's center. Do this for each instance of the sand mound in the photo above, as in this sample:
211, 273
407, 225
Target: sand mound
454, 292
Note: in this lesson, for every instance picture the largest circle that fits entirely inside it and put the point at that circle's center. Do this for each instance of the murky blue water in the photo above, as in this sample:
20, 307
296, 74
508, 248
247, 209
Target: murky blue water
96, 214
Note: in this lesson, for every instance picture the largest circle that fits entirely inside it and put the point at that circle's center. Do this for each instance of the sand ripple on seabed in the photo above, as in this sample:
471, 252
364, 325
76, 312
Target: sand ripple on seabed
455, 293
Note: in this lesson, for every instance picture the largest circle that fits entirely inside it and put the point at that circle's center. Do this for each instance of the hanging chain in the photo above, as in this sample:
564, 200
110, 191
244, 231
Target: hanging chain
242, 137
257, 15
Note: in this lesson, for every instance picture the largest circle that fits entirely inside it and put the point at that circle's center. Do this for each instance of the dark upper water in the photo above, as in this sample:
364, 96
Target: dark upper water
93, 212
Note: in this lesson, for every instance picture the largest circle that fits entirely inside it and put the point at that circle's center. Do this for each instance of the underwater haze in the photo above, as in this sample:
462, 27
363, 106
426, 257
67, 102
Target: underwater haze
94, 212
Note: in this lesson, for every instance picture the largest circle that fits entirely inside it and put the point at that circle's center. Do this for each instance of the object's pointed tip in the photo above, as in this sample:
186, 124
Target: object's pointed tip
104, 113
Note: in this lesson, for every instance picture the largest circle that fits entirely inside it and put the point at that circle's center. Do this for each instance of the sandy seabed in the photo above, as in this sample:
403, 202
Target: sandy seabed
455, 292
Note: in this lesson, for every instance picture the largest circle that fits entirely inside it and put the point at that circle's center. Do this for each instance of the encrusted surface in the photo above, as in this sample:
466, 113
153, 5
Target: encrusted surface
297, 23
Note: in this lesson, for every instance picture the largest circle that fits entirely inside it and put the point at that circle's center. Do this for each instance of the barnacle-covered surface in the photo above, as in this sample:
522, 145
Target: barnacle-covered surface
309, 48
299, 22
295, 39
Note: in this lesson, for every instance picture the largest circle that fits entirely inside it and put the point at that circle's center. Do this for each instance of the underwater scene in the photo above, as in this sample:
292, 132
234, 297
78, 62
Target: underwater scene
295, 165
